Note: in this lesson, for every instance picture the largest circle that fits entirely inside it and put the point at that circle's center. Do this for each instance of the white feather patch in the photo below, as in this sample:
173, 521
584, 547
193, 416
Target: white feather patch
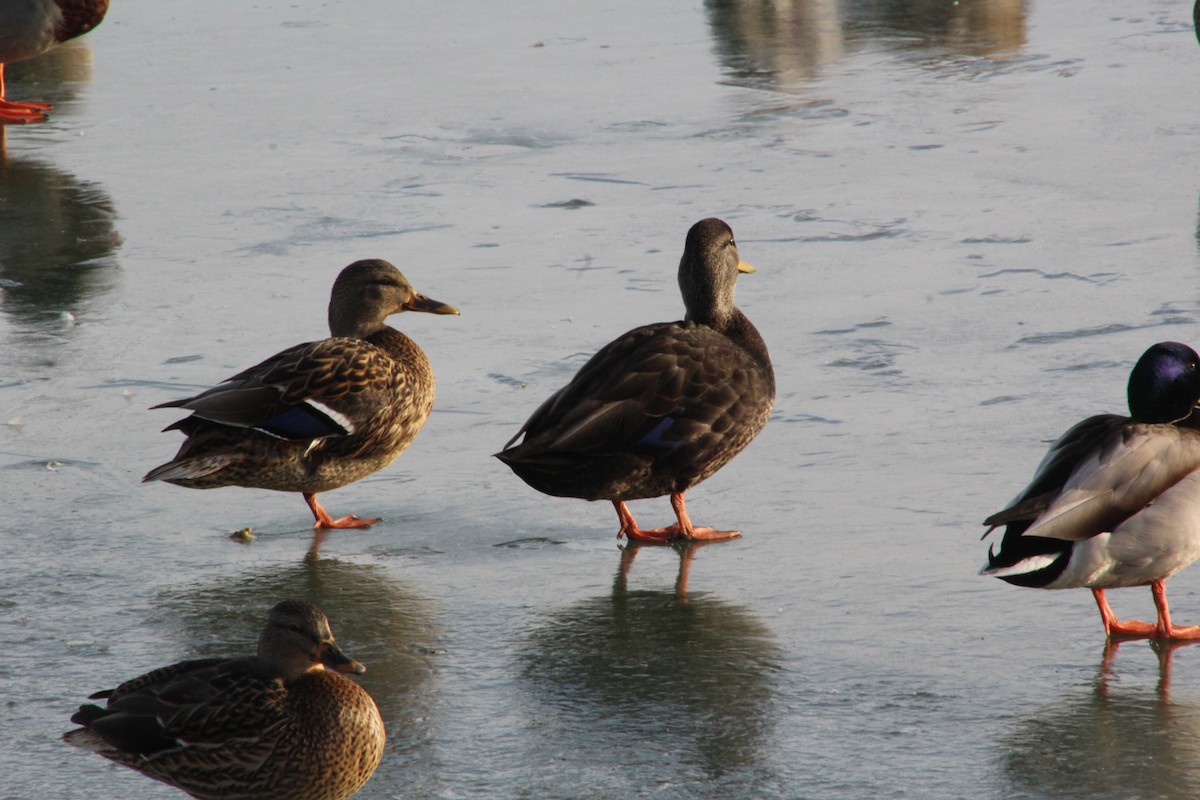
1022, 567
337, 417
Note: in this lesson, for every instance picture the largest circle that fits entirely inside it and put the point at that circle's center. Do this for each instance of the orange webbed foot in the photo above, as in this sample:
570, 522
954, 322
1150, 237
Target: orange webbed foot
1178, 633
673, 533
681, 531
713, 535
348, 521
651, 535
323, 520
21, 113
1132, 629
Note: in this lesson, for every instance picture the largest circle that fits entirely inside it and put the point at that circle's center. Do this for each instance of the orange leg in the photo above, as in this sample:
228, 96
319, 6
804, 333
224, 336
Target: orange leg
682, 529
1113, 626
323, 520
1162, 629
11, 111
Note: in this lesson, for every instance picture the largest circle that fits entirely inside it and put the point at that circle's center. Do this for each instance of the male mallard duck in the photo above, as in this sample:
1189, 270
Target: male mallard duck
1116, 501
318, 415
281, 724
661, 408
29, 28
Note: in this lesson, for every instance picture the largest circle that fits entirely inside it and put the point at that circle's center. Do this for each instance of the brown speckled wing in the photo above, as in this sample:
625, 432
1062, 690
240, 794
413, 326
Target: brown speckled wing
351, 378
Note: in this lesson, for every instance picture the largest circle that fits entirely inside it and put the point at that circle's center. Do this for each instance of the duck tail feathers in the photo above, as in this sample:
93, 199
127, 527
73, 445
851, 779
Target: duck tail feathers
188, 468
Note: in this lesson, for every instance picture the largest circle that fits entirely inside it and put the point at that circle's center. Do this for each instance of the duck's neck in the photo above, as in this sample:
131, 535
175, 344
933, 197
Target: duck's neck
741, 330
351, 323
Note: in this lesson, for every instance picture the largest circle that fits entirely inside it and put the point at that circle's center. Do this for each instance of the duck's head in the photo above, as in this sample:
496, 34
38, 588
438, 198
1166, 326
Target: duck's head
708, 271
297, 640
369, 291
1165, 383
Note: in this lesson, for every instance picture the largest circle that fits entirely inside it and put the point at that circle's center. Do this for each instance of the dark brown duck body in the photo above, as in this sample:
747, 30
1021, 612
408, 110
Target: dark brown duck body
281, 725
662, 407
319, 415
654, 413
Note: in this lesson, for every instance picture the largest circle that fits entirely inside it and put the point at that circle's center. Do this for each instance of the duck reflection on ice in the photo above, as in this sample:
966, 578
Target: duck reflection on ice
58, 241
1110, 741
685, 549
650, 681
58, 233
784, 45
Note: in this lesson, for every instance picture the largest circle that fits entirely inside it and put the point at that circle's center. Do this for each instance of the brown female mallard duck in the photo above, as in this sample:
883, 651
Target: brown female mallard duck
280, 724
318, 415
661, 408
28, 29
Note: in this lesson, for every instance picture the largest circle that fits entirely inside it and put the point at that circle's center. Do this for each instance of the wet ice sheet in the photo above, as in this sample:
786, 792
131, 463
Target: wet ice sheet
967, 226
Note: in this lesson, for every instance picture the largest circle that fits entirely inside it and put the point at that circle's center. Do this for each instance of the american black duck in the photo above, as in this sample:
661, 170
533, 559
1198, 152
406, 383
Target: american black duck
662, 407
